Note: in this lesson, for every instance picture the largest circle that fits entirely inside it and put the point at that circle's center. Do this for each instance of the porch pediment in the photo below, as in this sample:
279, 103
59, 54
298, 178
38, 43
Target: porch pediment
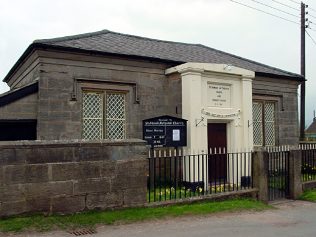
192, 67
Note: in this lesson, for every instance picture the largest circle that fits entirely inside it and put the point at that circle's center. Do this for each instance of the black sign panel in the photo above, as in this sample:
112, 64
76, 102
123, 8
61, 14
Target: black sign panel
165, 131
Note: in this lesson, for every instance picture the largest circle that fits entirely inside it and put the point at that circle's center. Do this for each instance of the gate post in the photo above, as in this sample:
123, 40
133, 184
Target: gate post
260, 174
295, 183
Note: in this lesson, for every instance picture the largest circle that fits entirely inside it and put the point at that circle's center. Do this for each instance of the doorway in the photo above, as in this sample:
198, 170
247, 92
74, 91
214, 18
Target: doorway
217, 140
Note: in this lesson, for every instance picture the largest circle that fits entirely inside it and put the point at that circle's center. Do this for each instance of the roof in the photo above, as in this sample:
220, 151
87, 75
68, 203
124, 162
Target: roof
110, 42
18, 93
312, 127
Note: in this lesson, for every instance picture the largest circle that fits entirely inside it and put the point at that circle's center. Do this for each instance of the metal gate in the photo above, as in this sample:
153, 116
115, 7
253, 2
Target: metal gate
278, 175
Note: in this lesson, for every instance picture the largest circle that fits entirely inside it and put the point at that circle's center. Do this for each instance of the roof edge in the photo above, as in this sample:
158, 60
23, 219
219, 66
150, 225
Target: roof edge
41, 44
17, 64
85, 35
72, 37
18, 93
105, 31
252, 61
38, 45
298, 77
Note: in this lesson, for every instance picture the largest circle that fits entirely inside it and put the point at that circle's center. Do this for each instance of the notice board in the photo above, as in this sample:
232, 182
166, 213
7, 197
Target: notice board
165, 131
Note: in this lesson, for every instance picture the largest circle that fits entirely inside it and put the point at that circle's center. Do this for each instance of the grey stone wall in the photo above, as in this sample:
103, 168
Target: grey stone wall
158, 94
284, 94
24, 108
71, 176
61, 118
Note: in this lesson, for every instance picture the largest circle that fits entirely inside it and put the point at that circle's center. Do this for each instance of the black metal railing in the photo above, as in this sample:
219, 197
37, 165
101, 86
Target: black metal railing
308, 169
278, 174
174, 175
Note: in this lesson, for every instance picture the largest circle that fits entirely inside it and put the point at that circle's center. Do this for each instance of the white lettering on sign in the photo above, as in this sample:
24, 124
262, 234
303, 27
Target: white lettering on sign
164, 123
218, 95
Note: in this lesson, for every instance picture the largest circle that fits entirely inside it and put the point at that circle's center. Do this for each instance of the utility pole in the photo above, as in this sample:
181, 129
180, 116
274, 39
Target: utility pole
303, 26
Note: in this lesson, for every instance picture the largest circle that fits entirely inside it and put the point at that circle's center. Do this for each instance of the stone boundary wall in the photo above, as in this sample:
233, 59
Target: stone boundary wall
71, 176
309, 185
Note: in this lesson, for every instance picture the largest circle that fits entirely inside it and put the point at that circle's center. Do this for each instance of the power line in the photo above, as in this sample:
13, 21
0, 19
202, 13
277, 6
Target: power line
283, 4
312, 9
311, 23
303, 27
275, 8
311, 16
308, 14
294, 1
310, 37
245, 5
311, 29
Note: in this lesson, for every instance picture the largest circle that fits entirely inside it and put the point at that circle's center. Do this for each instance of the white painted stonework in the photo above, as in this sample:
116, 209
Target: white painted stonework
216, 93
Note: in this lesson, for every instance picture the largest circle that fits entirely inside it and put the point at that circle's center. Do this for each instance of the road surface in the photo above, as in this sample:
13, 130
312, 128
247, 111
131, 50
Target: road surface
289, 219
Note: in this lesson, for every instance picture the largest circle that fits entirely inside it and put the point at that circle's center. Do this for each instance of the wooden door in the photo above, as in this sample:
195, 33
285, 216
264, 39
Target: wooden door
217, 139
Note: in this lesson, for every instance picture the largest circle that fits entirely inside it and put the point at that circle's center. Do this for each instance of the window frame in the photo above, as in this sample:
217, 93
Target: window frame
263, 102
262, 122
82, 118
105, 116
104, 92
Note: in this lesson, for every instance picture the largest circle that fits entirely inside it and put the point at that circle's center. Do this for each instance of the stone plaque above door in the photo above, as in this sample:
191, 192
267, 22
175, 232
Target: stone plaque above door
218, 95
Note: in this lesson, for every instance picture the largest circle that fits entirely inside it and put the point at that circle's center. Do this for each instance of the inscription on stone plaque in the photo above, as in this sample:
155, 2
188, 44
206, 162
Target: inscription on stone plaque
218, 95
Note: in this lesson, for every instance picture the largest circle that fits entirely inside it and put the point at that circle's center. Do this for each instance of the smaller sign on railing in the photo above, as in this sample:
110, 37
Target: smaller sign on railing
165, 131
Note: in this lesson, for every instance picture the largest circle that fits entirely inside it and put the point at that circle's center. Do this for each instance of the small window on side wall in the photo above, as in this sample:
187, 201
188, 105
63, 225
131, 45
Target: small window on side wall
104, 115
263, 114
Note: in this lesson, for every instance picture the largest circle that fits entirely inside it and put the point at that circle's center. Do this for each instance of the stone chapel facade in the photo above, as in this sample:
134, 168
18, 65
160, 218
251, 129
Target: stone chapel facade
102, 85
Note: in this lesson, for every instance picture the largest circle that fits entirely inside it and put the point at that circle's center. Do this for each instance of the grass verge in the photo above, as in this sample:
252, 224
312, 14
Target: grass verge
309, 195
92, 218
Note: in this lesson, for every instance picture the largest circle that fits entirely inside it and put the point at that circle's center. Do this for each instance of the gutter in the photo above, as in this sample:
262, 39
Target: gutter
270, 75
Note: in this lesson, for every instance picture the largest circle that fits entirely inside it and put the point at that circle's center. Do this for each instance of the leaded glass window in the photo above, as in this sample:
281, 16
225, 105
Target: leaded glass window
263, 114
115, 116
257, 124
92, 115
103, 115
269, 129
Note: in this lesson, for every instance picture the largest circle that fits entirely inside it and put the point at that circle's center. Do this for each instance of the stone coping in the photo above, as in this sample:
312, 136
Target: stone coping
309, 185
70, 143
251, 193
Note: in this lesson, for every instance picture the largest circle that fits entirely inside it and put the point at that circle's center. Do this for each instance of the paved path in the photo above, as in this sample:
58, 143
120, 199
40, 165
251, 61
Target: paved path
295, 218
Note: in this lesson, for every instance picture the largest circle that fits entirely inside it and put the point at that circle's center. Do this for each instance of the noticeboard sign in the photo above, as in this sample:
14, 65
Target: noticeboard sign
165, 131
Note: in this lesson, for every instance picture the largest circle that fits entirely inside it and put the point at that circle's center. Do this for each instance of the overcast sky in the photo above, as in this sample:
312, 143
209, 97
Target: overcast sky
220, 24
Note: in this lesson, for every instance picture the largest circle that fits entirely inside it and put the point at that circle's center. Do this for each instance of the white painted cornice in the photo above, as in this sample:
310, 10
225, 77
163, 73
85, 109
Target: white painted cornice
192, 67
